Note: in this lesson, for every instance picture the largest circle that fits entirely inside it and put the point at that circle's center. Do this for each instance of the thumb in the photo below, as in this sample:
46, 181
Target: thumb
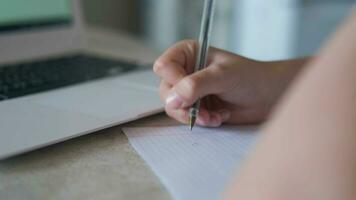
198, 85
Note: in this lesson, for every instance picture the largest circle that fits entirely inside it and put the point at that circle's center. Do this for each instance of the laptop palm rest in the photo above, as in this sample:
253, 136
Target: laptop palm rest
62, 114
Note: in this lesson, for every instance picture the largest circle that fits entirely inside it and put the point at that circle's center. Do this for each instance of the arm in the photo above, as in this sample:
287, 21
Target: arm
289, 69
308, 150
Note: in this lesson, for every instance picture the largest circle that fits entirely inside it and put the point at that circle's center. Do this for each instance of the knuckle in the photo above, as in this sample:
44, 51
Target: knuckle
219, 74
190, 86
188, 41
159, 65
191, 45
218, 70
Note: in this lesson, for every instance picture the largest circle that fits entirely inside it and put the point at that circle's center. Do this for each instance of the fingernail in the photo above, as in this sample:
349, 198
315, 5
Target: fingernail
225, 115
174, 101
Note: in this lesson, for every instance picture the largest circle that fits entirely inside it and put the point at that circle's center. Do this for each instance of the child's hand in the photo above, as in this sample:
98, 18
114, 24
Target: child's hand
235, 89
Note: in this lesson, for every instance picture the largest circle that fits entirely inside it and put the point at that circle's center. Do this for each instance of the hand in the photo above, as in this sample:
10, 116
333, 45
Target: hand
234, 89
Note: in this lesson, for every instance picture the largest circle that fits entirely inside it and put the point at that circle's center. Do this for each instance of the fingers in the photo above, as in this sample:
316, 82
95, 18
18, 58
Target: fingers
175, 65
211, 80
164, 90
181, 115
206, 118
212, 118
169, 71
180, 90
176, 62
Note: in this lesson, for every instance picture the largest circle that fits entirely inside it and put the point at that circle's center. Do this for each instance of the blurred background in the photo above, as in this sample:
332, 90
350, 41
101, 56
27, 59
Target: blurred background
259, 29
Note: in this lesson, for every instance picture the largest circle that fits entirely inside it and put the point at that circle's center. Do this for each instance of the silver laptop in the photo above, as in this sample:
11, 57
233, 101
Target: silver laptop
51, 90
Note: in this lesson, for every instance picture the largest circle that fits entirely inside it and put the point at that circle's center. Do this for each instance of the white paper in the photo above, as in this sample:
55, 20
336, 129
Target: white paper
193, 165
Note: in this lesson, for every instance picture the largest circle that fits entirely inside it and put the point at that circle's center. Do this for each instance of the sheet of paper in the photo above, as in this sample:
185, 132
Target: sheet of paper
193, 165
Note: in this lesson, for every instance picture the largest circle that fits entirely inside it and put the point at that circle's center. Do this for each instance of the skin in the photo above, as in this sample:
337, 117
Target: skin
308, 147
236, 90
307, 150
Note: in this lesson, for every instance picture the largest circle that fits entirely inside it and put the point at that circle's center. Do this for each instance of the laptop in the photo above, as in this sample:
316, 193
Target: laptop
52, 89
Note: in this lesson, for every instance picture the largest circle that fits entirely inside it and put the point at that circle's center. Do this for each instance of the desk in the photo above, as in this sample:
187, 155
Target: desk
101, 165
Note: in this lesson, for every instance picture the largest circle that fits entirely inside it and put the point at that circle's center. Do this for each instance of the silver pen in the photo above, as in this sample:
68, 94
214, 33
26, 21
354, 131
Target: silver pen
201, 60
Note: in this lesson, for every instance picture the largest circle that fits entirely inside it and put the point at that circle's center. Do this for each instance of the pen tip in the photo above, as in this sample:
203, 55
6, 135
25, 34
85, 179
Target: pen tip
191, 123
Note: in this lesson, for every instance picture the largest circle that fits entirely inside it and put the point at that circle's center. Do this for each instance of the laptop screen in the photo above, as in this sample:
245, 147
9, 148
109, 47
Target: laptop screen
25, 14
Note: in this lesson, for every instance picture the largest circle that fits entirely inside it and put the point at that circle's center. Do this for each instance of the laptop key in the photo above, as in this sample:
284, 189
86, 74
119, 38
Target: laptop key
39, 76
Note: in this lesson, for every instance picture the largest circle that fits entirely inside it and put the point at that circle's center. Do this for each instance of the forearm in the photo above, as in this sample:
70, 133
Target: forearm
290, 68
285, 72
308, 148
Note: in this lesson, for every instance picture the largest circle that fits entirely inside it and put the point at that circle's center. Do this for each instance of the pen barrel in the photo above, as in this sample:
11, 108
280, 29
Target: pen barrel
205, 34
203, 51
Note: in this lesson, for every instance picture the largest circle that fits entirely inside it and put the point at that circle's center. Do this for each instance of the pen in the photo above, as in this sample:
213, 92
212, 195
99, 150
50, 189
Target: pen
202, 56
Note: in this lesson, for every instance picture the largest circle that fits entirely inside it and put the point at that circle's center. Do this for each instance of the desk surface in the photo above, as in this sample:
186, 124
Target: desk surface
101, 165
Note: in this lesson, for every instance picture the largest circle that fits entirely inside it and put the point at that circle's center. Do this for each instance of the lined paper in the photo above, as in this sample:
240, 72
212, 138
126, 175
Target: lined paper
193, 165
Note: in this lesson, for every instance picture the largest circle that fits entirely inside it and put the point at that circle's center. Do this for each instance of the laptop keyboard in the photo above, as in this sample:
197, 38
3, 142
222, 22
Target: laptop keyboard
28, 78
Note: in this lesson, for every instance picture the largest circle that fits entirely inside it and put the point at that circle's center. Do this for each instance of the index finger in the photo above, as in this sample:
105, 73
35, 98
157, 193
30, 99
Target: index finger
176, 62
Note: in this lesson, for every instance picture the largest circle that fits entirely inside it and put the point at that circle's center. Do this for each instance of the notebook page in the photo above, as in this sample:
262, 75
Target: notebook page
193, 165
